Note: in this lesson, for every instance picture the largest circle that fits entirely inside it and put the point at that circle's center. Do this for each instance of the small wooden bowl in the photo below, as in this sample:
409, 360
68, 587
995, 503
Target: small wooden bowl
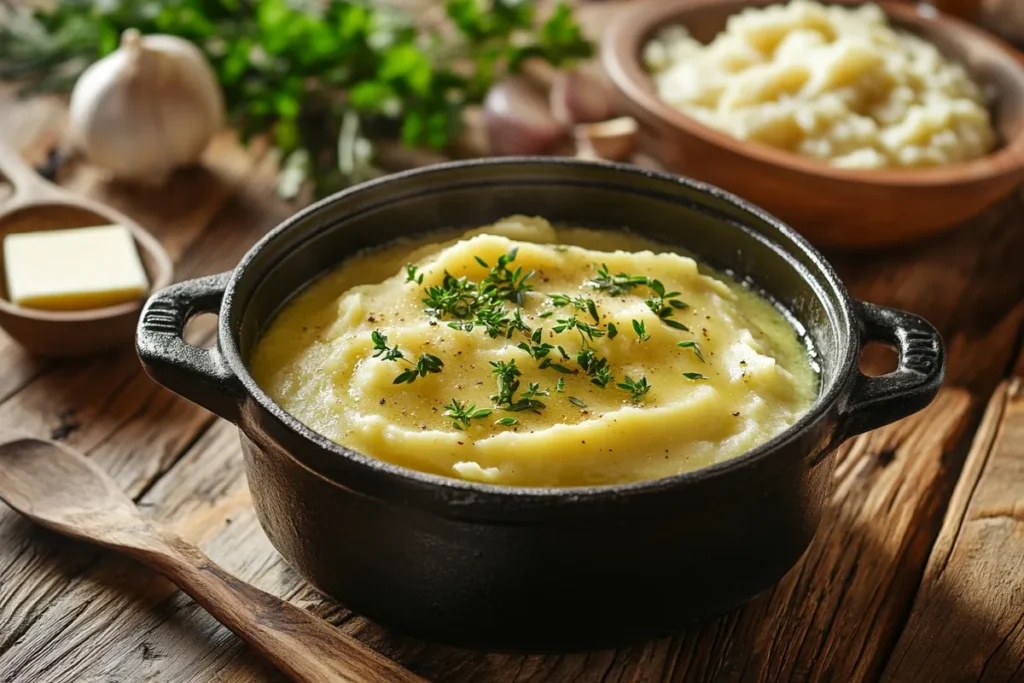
40, 205
833, 207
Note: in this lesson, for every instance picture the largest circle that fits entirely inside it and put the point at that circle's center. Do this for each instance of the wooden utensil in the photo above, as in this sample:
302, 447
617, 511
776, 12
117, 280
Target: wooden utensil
831, 206
62, 490
38, 204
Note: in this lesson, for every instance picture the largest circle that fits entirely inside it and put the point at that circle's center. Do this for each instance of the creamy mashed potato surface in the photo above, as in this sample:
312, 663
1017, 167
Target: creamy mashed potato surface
830, 82
713, 371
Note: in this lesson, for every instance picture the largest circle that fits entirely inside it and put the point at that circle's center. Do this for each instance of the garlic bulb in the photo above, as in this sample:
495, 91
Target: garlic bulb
147, 108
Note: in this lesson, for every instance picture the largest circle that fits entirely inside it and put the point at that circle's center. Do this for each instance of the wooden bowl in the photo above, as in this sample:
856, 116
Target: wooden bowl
833, 207
39, 205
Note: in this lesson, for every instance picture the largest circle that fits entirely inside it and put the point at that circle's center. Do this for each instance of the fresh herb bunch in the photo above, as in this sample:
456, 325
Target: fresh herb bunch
312, 72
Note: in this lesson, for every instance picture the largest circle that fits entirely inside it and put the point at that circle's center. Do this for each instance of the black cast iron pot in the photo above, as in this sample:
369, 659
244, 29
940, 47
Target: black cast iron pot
538, 569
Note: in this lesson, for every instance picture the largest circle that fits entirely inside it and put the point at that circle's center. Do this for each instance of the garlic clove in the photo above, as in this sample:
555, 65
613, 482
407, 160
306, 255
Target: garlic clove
517, 119
147, 108
579, 96
614, 139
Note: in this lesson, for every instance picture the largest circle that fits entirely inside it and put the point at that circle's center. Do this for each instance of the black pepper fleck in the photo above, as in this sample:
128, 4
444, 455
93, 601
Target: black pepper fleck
736, 414
382, 401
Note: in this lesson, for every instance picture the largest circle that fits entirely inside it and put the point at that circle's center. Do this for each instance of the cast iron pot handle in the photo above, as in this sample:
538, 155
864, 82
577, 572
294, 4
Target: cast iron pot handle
873, 402
200, 375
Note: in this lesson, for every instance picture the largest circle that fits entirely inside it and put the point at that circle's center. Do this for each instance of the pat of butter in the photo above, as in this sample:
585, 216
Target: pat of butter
74, 269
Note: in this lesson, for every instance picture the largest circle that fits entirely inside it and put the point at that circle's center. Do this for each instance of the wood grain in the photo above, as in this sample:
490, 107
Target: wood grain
967, 623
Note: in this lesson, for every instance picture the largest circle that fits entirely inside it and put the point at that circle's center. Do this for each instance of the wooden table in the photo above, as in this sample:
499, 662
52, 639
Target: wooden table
916, 574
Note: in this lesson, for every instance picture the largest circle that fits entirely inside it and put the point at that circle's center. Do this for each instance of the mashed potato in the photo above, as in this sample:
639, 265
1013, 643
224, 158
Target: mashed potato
828, 82
649, 380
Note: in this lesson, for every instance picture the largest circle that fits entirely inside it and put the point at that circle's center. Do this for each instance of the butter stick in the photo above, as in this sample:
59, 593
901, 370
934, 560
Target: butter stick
73, 269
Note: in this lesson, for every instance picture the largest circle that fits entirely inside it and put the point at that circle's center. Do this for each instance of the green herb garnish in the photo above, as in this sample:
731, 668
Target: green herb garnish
641, 330
596, 367
508, 285
577, 402
586, 330
664, 306
560, 385
462, 415
411, 274
613, 331
638, 388
508, 381
455, 297
693, 375
616, 285
426, 364
692, 345
507, 422
579, 303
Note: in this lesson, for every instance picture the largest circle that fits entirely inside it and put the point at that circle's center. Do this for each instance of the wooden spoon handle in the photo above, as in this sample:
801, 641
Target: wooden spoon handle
28, 185
308, 649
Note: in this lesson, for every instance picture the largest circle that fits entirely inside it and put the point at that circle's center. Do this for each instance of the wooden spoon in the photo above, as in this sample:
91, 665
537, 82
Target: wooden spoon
64, 491
38, 204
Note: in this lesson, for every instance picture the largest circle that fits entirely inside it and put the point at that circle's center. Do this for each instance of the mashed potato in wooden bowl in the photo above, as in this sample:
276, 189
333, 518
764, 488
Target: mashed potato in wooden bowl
522, 354
830, 82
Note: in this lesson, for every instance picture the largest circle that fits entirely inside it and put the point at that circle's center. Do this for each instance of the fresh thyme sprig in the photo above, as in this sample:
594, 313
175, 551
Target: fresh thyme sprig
641, 330
411, 274
426, 364
461, 415
693, 375
616, 285
579, 303
692, 345
596, 367
664, 305
507, 422
508, 285
508, 375
638, 388
539, 350
455, 296
586, 330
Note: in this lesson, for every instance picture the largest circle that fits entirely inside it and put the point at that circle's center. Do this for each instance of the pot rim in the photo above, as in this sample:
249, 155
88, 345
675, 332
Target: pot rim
465, 492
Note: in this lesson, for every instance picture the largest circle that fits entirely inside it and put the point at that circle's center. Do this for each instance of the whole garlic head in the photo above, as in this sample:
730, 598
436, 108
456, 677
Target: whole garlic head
146, 109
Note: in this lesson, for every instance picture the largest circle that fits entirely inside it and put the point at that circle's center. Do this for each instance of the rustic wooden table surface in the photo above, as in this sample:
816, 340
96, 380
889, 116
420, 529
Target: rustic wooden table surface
916, 574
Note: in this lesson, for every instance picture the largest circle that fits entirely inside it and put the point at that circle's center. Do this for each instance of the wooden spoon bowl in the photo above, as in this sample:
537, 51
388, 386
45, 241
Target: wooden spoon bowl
40, 205
833, 207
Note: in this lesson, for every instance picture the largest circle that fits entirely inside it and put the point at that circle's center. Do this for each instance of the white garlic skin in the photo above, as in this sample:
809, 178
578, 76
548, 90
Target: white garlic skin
146, 109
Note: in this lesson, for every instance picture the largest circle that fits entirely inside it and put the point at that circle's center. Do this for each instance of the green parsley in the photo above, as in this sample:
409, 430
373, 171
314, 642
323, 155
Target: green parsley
693, 375
692, 345
638, 388
461, 415
615, 285
641, 330
298, 70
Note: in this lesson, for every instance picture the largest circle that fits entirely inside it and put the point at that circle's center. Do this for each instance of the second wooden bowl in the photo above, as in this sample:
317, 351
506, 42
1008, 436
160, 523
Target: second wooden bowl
40, 205
833, 207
